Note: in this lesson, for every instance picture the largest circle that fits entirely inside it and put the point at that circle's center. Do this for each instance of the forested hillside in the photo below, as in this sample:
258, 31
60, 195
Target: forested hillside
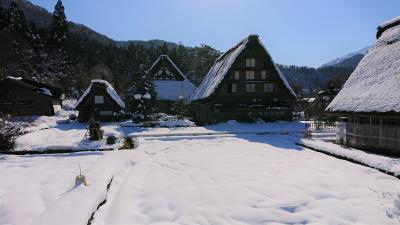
57, 52
311, 80
29, 47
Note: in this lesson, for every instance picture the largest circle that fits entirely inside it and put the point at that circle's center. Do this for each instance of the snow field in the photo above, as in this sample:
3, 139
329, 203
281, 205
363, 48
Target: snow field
247, 179
31, 184
71, 136
77, 204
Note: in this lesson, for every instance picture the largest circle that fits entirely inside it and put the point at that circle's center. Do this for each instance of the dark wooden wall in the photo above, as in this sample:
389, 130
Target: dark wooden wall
280, 95
19, 100
88, 108
224, 105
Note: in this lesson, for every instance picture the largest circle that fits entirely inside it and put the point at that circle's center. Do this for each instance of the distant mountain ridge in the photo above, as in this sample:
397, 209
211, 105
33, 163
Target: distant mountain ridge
349, 60
42, 18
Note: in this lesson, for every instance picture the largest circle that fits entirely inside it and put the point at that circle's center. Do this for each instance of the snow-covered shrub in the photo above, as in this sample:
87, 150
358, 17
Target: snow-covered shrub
8, 135
72, 117
111, 140
95, 132
130, 143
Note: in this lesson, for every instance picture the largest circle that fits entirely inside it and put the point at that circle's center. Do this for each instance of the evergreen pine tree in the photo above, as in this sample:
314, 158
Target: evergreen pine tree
20, 52
40, 59
145, 95
58, 42
3, 17
180, 107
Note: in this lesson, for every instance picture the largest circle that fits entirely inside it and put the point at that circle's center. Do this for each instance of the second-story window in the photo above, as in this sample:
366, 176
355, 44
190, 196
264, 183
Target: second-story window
268, 87
250, 62
250, 75
98, 99
263, 74
237, 75
250, 88
232, 88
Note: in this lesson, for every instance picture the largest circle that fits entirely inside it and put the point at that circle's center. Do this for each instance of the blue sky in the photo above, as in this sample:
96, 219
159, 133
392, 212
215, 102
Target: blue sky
299, 32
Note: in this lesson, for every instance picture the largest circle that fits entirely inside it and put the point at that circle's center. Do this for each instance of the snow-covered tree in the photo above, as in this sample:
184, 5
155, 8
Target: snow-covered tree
58, 41
180, 107
20, 50
8, 134
144, 95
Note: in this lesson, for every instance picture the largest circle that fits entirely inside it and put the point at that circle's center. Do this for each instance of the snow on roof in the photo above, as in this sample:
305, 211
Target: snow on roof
110, 90
14, 78
45, 91
389, 22
221, 67
172, 89
387, 25
374, 86
170, 61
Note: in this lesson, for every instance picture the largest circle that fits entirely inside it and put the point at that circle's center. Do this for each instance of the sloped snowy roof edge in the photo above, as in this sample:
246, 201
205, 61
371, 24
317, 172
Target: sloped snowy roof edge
387, 25
374, 86
221, 67
110, 90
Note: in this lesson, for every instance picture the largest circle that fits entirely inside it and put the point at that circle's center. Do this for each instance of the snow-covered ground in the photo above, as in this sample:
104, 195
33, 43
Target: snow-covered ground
221, 179
227, 173
31, 184
246, 179
386, 163
71, 136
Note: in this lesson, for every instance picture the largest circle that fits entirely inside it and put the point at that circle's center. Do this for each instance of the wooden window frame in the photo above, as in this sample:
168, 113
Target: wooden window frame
263, 74
251, 90
268, 87
250, 62
97, 100
250, 75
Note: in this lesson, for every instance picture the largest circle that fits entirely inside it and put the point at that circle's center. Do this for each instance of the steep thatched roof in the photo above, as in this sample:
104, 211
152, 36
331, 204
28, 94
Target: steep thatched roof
171, 89
109, 89
221, 67
375, 84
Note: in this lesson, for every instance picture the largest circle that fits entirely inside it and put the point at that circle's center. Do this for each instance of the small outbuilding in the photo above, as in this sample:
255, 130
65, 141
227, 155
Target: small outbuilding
244, 84
169, 82
24, 97
100, 102
370, 98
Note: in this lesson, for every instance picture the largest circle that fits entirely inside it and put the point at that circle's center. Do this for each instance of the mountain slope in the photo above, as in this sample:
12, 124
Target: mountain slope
42, 18
349, 60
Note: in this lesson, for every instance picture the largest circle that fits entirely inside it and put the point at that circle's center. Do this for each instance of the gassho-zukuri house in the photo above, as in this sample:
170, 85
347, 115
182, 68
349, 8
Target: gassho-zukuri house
370, 99
25, 97
169, 82
99, 102
243, 84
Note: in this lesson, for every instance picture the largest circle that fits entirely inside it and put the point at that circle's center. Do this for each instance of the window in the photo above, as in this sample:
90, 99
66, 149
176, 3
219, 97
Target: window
250, 75
250, 87
250, 62
232, 88
237, 75
268, 87
106, 113
98, 99
263, 74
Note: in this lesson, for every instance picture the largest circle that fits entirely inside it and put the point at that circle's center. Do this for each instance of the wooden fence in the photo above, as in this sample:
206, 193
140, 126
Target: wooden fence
373, 136
320, 125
